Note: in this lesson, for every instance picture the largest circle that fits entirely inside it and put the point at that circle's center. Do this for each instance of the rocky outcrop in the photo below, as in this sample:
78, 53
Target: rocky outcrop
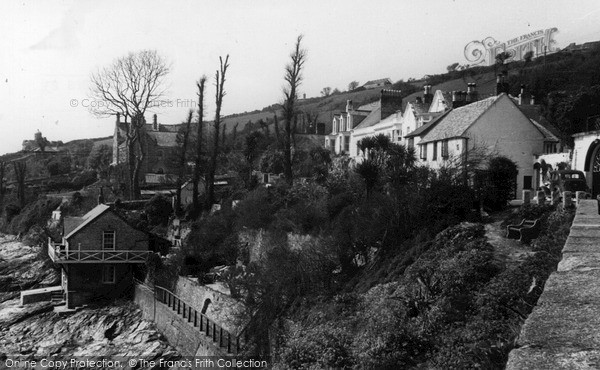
37, 331
21, 268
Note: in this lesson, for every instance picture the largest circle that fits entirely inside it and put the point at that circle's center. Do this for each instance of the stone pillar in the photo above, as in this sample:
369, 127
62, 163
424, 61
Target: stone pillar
567, 201
541, 197
579, 195
526, 197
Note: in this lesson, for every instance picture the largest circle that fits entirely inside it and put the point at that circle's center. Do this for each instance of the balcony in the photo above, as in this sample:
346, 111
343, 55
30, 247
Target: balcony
59, 253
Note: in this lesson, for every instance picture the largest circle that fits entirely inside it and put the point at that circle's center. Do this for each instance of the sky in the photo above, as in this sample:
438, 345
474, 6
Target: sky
49, 49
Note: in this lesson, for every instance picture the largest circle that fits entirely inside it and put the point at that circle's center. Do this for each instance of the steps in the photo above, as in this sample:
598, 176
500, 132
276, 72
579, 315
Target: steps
57, 297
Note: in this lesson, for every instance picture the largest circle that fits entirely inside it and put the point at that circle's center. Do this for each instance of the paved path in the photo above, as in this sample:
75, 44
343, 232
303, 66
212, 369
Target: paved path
563, 331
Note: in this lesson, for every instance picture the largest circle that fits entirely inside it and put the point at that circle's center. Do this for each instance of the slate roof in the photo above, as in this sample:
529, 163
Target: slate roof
381, 80
372, 119
370, 106
86, 219
426, 127
165, 139
548, 135
458, 120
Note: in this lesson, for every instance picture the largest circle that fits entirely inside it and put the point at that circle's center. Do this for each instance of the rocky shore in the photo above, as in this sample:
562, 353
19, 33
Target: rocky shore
38, 331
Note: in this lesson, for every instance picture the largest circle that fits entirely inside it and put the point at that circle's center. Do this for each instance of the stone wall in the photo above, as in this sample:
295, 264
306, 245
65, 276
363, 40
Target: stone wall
223, 310
563, 331
188, 340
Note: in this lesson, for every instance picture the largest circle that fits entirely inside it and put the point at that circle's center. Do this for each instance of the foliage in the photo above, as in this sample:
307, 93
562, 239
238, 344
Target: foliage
501, 175
158, 210
272, 161
35, 213
99, 160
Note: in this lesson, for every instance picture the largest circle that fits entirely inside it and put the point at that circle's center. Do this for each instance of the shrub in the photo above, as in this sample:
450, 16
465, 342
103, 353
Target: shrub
158, 210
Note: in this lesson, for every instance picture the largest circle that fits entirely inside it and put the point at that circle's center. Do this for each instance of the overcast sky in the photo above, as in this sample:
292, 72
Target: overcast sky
48, 49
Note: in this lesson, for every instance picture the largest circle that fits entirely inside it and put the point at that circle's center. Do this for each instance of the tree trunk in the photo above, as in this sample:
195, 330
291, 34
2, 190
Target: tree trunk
182, 157
195, 185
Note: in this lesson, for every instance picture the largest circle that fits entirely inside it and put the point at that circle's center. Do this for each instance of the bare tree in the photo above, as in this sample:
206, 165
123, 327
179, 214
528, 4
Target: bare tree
326, 91
293, 78
199, 137
220, 93
353, 85
20, 169
128, 87
2, 181
183, 137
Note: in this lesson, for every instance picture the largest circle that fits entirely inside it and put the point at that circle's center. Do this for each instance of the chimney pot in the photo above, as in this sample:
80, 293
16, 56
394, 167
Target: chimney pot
154, 123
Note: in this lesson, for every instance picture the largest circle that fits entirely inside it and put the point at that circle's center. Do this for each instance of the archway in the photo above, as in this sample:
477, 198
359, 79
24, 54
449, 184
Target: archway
592, 167
205, 307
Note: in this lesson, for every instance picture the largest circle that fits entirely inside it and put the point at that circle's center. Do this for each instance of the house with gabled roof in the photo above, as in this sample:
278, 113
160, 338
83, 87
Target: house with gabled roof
497, 126
373, 84
97, 256
160, 143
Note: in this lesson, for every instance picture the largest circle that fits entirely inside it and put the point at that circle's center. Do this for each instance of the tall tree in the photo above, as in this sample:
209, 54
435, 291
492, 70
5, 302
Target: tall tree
183, 138
293, 78
20, 169
199, 137
2, 181
219, 94
128, 87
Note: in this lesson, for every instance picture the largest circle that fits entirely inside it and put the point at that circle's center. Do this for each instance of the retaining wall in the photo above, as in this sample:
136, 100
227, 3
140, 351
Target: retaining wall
563, 331
188, 340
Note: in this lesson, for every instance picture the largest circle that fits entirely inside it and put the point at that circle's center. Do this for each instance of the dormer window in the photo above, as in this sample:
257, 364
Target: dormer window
108, 240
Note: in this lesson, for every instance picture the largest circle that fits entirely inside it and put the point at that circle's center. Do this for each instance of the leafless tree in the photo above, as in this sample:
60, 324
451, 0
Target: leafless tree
128, 87
219, 94
353, 85
2, 181
183, 139
20, 169
199, 137
293, 79
326, 91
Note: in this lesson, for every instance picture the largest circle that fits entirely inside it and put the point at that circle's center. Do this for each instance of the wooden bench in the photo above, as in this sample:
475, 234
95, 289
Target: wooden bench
526, 231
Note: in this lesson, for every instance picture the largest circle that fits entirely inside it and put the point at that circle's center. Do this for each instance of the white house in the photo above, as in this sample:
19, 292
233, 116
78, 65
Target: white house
586, 158
497, 126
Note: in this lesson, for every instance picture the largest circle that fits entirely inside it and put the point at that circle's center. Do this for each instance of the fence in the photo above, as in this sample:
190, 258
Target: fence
219, 336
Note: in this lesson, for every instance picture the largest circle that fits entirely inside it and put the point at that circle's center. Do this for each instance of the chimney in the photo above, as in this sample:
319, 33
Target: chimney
101, 197
427, 95
391, 102
472, 92
349, 106
304, 96
501, 84
155, 123
458, 98
118, 118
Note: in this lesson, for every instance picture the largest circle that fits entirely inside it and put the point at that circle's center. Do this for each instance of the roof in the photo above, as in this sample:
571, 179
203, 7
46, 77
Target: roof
370, 106
381, 80
85, 220
166, 139
548, 135
372, 119
420, 107
458, 120
426, 127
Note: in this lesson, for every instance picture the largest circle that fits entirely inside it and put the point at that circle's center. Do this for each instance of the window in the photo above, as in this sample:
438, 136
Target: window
411, 142
434, 151
108, 240
423, 152
108, 274
445, 149
347, 145
527, 182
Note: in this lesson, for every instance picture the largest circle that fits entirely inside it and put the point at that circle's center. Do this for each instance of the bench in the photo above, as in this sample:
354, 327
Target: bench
526, 231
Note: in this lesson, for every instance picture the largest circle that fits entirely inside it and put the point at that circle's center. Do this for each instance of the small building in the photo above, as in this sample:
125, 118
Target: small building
97, 256
586, 158
382, 82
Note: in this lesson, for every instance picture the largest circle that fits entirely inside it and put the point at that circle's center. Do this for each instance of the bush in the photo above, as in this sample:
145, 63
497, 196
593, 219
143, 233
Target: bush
158, 210
502, 174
